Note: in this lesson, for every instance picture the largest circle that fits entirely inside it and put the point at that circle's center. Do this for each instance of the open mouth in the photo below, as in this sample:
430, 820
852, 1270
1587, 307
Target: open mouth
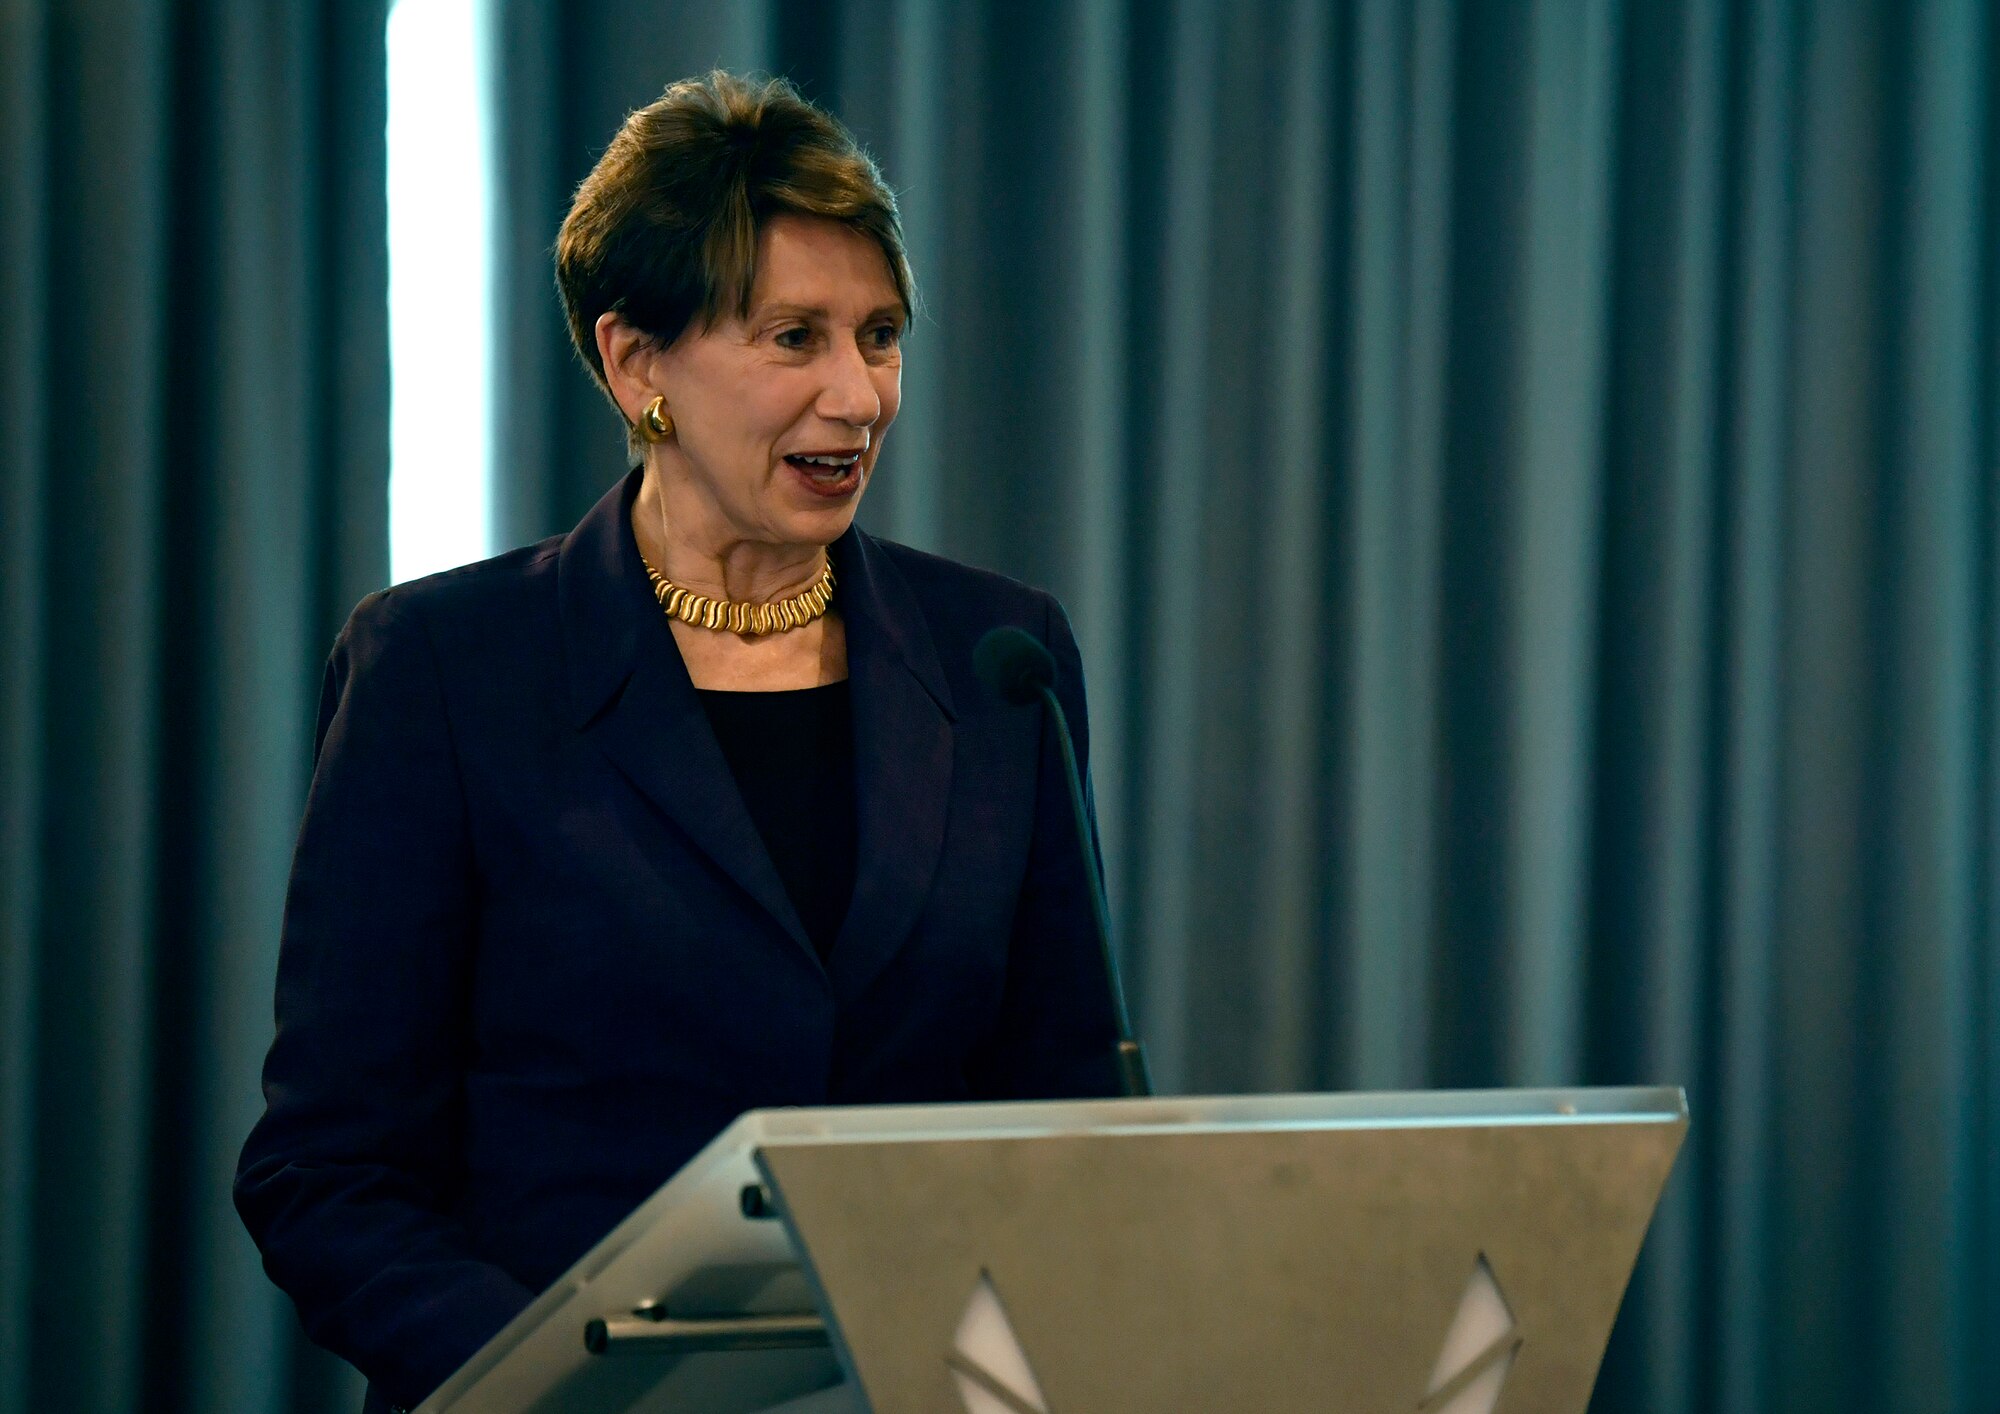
828, 473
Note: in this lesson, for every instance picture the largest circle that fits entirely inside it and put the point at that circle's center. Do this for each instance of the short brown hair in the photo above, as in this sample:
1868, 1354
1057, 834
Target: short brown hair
664, 229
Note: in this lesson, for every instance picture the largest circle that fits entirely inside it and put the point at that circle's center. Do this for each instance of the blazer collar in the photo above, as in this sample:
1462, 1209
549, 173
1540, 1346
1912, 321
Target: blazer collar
903, 751
630, 692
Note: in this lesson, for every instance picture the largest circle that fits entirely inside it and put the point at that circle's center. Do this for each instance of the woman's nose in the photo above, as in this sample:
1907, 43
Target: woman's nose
849, 395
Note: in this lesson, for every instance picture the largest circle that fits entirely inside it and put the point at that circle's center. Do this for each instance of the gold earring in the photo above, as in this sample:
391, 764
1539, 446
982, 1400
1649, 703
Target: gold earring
654, 423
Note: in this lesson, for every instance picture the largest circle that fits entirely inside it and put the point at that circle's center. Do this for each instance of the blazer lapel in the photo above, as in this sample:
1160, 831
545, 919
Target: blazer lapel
902, 759
630, 693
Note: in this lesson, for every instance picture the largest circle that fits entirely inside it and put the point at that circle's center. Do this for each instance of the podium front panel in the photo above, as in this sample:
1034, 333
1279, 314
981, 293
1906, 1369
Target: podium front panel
1307, 1262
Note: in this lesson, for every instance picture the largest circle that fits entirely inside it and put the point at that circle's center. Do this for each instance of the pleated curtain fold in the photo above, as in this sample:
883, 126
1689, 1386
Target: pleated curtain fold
193, 395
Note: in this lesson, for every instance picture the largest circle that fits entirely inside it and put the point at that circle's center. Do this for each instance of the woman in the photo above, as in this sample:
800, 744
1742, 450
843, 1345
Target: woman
696, 809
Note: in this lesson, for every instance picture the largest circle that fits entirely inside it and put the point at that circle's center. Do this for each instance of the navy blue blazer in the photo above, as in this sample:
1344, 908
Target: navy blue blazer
535, 954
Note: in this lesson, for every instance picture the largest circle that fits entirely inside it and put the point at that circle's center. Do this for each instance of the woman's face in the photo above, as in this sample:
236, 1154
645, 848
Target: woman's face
779, 417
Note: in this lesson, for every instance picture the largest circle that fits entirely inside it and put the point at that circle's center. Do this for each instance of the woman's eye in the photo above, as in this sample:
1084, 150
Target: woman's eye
885, 336
796, 337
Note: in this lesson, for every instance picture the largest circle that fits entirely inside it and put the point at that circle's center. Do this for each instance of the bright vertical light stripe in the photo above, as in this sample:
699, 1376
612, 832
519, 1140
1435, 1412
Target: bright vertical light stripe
440, 455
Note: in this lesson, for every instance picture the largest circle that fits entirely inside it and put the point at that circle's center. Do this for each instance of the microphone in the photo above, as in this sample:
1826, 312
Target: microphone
1018, 668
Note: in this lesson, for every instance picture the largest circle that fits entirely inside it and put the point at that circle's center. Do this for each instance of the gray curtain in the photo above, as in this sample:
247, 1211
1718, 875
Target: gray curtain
1524, 476
193, 435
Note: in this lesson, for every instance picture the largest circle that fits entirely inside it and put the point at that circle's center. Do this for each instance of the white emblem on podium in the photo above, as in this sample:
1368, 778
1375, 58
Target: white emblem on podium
1478, 1350
987, 1361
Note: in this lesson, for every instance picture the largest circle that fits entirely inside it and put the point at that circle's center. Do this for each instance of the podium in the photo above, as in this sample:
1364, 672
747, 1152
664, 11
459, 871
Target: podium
1441, 1252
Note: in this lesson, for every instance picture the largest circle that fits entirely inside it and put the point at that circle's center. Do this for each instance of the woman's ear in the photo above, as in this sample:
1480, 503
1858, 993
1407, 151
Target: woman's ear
628, 354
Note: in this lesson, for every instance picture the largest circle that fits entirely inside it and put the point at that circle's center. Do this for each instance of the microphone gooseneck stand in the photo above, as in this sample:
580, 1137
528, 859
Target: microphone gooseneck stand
1020, 669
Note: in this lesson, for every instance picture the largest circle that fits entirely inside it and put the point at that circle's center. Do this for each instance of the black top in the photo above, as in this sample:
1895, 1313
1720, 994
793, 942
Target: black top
792, 754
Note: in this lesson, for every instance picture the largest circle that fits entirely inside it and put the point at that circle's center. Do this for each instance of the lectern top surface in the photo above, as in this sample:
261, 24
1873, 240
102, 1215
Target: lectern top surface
1207, 1114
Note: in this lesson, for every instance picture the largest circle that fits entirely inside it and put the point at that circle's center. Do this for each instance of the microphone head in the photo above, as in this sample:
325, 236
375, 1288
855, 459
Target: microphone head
1013, 663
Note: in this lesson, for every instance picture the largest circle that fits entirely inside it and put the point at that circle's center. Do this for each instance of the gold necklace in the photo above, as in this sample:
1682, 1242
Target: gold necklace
736, 616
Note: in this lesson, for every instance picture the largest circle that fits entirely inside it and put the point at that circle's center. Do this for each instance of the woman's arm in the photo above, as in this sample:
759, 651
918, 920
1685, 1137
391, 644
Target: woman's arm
1056, 1037
346, 1181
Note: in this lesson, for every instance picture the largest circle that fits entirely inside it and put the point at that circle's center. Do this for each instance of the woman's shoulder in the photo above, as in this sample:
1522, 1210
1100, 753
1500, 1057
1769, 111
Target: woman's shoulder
961, 603
952, 590
477, 608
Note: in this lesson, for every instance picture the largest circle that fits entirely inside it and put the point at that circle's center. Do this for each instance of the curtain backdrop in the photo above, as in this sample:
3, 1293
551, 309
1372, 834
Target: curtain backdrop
193, 432
1524, 472
1524, 476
